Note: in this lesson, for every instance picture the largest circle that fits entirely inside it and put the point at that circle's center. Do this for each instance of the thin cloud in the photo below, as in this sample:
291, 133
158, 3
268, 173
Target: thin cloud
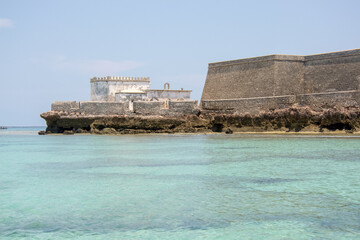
6, 23
95, 67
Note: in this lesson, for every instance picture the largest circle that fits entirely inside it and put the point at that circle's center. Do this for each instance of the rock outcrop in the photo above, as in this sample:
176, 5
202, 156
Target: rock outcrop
293, 119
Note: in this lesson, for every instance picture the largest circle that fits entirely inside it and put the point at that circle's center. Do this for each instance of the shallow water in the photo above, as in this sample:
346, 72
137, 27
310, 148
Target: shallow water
178, 187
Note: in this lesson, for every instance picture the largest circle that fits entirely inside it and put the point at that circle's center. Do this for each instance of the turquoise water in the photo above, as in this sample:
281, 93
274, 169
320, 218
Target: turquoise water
178, 187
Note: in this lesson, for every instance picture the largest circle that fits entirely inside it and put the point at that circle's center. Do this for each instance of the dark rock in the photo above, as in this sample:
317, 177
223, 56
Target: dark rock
41, 132
228, 131
80, 130
68, 132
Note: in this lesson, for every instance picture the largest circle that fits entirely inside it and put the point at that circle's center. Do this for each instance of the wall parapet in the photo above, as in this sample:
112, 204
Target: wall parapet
284, 57
120, 79
65, 106
274, 57
102, 108
323, 56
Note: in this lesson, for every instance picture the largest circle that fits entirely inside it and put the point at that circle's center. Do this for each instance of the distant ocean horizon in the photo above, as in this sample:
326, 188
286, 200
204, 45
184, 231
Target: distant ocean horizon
213, 186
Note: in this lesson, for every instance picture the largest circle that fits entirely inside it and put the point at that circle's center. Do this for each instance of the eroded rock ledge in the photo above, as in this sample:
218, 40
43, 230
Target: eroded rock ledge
293, 119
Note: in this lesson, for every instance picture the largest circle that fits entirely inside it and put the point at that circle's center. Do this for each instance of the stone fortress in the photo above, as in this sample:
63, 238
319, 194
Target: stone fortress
280, 81
285, 93
129, 95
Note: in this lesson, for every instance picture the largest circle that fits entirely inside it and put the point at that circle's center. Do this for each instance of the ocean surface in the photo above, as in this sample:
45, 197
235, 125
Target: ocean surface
178, 186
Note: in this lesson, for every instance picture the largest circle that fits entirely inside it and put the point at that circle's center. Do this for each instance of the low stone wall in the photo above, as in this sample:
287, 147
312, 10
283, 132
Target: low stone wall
103, 108
120, 108
66, 106
148, 108
183, 107
168, 94
255, 105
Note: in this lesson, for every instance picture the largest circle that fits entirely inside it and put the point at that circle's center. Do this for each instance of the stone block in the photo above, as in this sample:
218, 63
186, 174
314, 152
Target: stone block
102, 108
67, 106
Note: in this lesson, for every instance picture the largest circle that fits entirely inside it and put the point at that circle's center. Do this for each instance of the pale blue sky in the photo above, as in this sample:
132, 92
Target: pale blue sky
49, 50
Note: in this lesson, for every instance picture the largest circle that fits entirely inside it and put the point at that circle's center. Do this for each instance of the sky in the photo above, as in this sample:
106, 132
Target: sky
49, 50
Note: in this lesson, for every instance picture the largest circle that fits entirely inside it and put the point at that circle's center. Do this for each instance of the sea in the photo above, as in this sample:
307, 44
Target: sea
213, 186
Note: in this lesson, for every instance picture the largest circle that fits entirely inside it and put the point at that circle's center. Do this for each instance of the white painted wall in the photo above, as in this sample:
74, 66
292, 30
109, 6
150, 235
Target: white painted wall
106, 90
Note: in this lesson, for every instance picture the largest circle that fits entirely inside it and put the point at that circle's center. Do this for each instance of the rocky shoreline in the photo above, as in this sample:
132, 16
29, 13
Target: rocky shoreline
295, 119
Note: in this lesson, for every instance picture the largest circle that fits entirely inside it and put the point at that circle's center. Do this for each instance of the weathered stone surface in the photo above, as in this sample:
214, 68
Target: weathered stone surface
293, 119
316, 101
67, 106
148, 108
99, 108
278, 75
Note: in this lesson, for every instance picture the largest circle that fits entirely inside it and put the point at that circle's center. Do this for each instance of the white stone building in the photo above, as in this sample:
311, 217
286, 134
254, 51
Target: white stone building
122, 89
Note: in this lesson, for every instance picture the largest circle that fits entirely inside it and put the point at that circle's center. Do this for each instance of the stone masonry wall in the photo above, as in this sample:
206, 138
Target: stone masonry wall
255, 105
102, 108
168, 94
148, 108
332, 72
288, 78
277, 81
121, 108
66, 106
230, 80
278, 75
183, 107
248, 105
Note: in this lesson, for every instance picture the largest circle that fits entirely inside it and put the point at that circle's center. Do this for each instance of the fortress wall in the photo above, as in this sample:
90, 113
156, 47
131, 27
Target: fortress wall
148, 108
338, 71
338, 99
249, 105
273, 75
278, 75
102, 108
228, 80
316, 101
289, 77
249, 85
67, 106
